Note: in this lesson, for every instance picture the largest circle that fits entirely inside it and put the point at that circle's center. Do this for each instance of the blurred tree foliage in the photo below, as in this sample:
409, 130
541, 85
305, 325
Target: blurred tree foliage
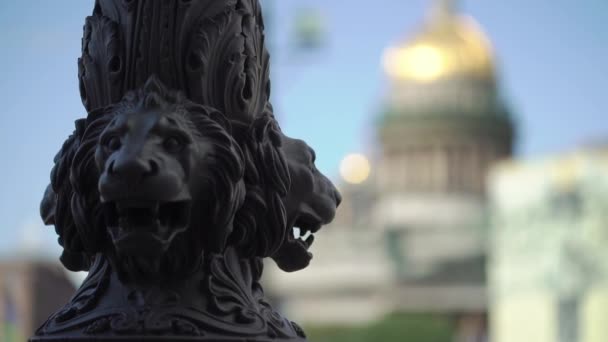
394, 328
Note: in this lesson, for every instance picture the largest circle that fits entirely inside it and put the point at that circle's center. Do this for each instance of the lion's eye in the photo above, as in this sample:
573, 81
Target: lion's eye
113, 143
173, 144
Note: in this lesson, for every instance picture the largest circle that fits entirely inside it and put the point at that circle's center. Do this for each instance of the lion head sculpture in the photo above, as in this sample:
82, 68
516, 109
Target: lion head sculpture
55, 207
261, 220
311, 203
155, 179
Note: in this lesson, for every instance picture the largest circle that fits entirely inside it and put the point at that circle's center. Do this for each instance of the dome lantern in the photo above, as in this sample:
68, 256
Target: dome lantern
443, 8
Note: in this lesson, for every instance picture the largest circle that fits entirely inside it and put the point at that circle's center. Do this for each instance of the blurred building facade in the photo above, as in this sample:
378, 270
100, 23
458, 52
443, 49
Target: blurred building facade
412, 237
31, 292
549, 262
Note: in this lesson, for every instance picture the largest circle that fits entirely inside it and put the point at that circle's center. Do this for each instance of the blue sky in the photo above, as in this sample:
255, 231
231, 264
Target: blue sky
551, 57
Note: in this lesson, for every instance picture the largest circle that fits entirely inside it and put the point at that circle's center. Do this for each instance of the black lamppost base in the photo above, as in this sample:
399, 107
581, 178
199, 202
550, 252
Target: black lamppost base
179, 180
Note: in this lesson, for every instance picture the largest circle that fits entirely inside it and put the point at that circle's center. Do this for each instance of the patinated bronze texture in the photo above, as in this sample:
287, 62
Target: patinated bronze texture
178, 180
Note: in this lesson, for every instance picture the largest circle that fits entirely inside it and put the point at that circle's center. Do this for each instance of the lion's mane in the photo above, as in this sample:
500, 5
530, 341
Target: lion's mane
261, 220
81, 224
55, 207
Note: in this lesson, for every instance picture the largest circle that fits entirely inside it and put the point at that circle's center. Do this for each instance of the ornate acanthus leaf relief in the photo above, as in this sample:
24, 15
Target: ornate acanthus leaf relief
84, 300
227, 301
234, 285
213, 50
101, 67
144, 323
226, 62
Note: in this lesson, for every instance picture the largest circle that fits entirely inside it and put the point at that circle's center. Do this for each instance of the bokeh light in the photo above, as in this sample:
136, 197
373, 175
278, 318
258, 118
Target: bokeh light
355, 168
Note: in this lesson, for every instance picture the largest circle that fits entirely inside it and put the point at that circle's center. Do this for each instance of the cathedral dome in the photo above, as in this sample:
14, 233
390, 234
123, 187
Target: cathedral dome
448, 46
444, 120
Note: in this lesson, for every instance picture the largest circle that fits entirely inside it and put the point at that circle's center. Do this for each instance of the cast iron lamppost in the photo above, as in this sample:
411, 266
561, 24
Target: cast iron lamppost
179, 180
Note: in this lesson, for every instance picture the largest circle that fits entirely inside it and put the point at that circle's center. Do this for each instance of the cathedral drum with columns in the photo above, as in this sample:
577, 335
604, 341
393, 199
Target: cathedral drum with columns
412, 237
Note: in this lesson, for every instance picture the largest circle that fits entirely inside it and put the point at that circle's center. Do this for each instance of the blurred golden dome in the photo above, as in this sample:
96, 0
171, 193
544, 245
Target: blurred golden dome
448, 45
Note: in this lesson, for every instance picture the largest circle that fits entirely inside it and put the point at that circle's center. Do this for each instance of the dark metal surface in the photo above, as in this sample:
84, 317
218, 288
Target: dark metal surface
179, 181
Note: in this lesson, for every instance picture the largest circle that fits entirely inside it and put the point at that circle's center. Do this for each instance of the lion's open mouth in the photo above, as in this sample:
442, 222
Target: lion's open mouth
304, 228
141, 222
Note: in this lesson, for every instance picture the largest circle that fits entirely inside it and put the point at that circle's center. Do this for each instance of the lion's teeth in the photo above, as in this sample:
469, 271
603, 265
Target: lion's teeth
306, 235
296, 232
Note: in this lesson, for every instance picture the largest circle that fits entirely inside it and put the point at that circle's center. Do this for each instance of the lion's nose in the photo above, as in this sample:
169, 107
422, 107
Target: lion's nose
133, 169
337, 197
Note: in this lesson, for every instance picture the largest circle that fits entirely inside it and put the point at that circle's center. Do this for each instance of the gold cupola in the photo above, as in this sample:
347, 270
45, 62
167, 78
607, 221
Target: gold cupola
448, 45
